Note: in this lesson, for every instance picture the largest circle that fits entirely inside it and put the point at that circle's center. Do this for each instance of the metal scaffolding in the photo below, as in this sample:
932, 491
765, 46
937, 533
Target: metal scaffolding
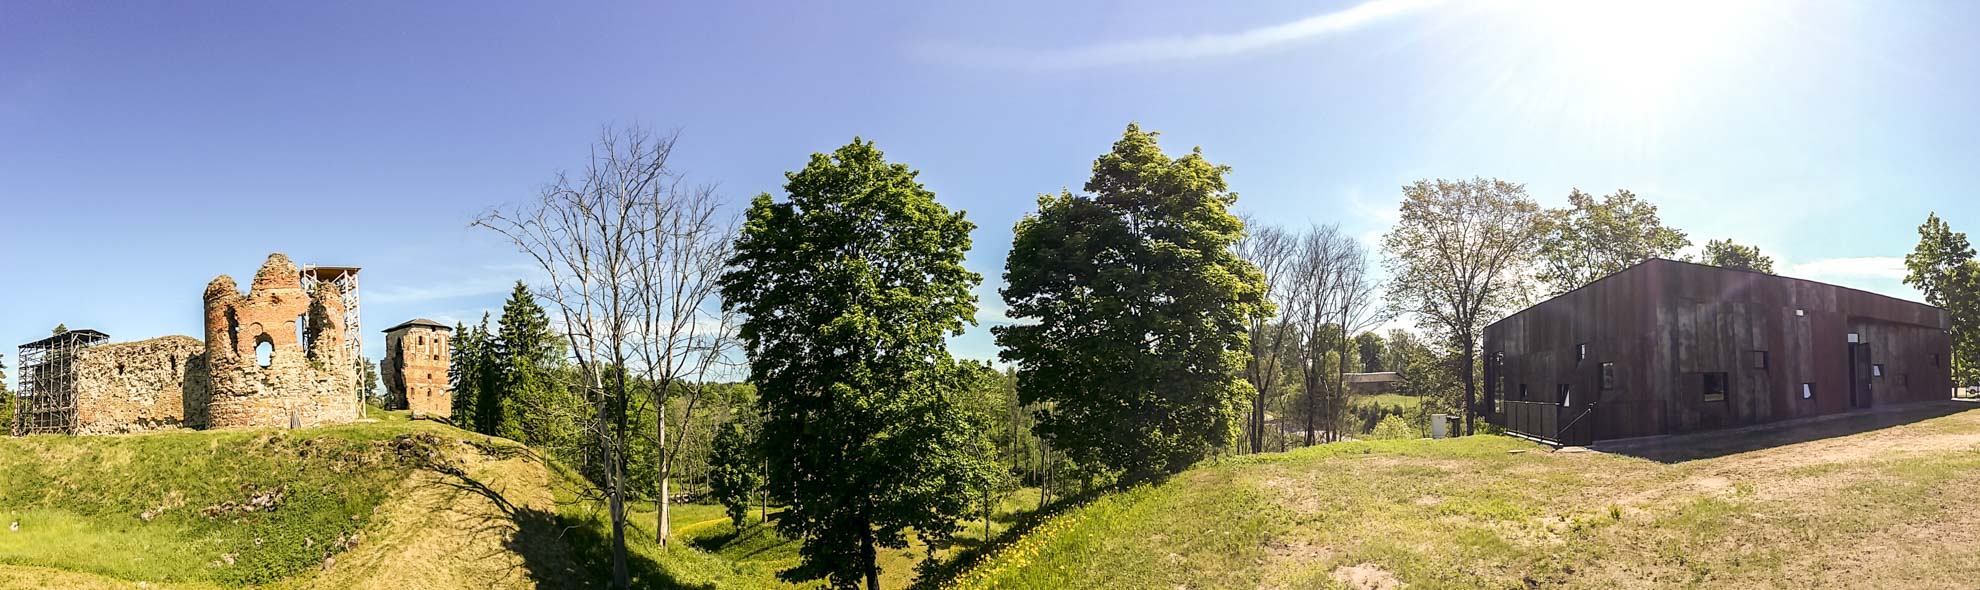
345, 278
47, 400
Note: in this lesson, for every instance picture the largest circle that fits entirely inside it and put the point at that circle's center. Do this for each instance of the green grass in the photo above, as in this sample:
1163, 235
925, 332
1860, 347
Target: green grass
1496, 512
174, 506
1408, 403
707, 551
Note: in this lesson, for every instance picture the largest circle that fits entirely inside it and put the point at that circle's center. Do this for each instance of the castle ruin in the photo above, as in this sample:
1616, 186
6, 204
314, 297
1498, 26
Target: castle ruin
415, 368
280, 354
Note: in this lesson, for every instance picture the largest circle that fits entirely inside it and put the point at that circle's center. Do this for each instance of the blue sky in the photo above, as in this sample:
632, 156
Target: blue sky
147, 147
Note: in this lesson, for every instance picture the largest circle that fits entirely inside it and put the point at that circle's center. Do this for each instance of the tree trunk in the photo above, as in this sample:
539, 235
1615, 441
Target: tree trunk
868, 558
1470, 387
662, 503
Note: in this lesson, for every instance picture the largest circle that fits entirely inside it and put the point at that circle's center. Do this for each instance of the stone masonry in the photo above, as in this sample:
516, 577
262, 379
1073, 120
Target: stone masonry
145, 385
181, 382
415, 368
300, 383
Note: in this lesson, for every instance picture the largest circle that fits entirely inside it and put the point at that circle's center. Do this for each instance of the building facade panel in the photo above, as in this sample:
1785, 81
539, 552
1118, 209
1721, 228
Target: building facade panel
1667, 347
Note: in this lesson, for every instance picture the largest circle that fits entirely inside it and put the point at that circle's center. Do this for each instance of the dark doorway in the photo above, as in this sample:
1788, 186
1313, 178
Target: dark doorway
1859, 375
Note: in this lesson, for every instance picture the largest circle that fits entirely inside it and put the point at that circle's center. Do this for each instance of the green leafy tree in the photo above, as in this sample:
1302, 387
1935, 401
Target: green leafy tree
1133, 310
59, 329
1726, 254
734, 472
1595, 237
1454, 260
1942, 267
368, 378
1369, 346
848, 291
6, 397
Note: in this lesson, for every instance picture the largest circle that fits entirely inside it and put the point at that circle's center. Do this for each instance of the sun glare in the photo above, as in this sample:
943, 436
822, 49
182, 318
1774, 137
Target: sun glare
1623, 68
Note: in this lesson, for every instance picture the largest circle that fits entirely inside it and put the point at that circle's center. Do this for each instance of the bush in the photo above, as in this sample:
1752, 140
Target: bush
1394, 427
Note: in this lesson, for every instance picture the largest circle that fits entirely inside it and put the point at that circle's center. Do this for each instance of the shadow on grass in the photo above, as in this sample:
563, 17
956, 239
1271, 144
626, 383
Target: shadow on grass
556, 551
1678, 448
969, 552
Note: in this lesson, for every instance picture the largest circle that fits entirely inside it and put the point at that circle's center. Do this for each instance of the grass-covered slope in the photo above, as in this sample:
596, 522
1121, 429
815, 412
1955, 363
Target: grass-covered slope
389, 504
1886, 508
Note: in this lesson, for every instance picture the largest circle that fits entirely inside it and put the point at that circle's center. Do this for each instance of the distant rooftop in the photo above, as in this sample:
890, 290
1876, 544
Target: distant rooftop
419, 322
1382, 377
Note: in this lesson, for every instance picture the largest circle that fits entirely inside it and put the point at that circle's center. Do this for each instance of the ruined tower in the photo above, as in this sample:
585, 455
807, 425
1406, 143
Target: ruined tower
276, 354
415, 368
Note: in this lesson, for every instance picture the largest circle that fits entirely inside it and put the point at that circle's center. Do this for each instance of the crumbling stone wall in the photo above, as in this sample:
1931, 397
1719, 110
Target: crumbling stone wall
146, 385
415, 370
306, 385
181, 382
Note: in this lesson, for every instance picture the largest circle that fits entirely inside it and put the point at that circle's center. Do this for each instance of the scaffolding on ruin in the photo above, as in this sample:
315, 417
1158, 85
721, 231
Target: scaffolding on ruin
345, 279
47, 400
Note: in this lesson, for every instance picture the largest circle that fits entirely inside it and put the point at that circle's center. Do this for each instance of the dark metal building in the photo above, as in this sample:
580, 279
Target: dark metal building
1666, 347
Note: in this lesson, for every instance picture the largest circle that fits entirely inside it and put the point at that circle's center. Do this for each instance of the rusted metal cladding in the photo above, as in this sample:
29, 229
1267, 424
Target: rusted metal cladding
1692, 347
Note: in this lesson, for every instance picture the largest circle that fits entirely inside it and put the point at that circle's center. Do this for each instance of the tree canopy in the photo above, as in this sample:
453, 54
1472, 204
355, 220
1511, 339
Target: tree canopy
1594, 237
1725, 253
1942, 267
848, 291
1454, 258
1133, 308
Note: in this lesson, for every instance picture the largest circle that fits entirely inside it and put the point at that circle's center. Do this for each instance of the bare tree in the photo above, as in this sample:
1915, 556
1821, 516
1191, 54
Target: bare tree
1455, 258
586, 234
681, 334
1354, 298
1314, 288
1273, 250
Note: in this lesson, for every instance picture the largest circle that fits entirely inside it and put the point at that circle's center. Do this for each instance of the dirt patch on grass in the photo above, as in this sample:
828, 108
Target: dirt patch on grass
1366, 576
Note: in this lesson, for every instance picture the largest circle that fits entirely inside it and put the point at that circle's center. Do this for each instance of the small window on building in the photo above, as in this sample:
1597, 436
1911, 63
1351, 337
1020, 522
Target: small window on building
1581, 352
1565, 395
1608, 375
1853, 338
1759, 360
1715, 388
1877, 370
1522, 392
420, 341
1935, 359
264, 352
1800, 313
1808, 391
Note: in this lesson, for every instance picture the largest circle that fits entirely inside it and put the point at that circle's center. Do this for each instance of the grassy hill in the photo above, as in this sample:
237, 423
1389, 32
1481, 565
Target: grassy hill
1885, 508
386, 504
377, 505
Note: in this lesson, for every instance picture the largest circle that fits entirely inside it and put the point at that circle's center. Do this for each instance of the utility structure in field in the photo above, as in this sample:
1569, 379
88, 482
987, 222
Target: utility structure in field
276, 355
1665, 347
415, 368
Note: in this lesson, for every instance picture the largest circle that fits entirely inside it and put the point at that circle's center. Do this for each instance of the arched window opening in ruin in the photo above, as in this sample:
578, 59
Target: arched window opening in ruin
264, 351
302, 332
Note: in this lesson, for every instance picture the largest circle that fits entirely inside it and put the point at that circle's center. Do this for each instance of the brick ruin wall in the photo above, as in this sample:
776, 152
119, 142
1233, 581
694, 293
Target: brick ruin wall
416, 371
146, 385
182, 382
310, 386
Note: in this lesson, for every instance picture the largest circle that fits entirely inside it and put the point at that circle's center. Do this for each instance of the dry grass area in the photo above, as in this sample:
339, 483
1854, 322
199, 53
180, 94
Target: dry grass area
1887, 507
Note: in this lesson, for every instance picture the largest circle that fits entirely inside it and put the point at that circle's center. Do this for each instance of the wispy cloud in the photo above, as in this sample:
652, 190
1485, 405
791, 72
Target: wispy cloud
1864, 267
1177, 47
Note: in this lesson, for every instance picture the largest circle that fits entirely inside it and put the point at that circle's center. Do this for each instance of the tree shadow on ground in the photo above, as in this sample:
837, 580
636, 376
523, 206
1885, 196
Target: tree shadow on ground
556, 551
969, 552
1719, 443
